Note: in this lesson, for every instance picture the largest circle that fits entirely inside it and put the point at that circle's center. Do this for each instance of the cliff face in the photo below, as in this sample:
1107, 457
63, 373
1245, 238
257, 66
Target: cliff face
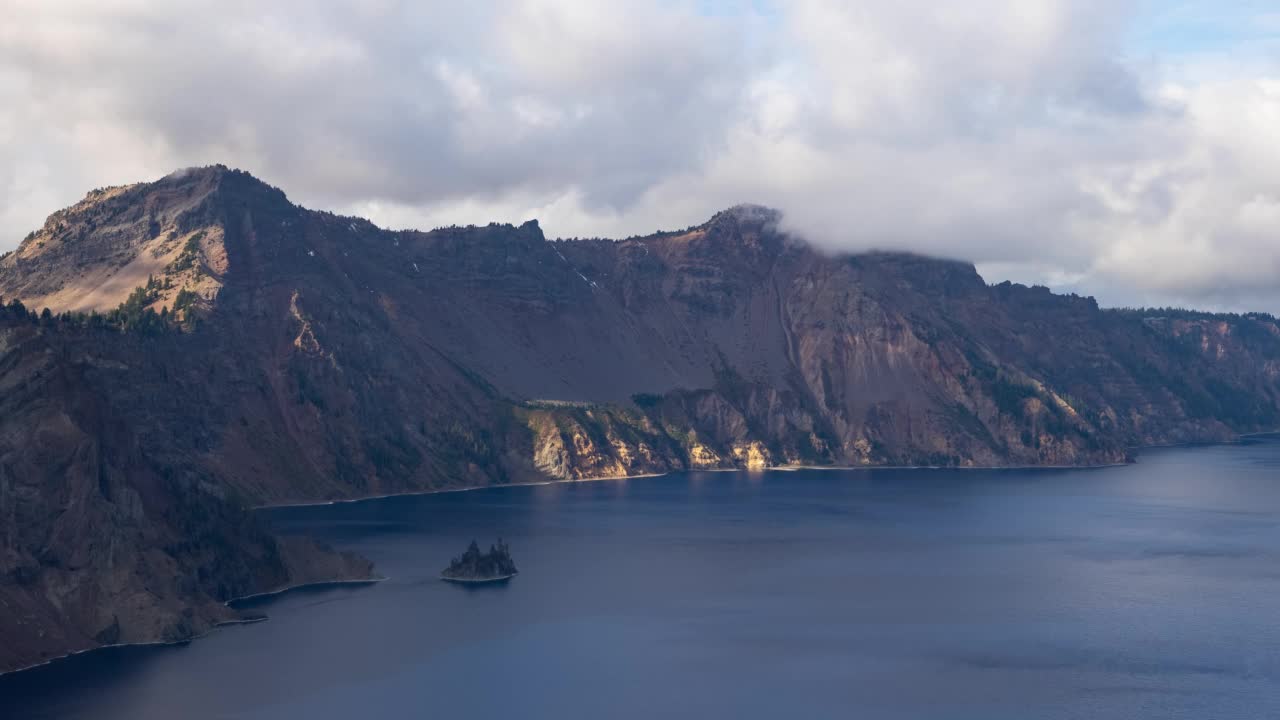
103, 540
895, 359
317, 357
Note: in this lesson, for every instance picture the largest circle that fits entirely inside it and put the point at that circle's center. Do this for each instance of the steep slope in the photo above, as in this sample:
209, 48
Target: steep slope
92, 255
895, 359
101, 540
339, 359
296, 355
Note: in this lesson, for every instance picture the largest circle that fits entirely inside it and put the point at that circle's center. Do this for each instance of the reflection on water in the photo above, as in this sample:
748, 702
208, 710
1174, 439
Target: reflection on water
1140, 591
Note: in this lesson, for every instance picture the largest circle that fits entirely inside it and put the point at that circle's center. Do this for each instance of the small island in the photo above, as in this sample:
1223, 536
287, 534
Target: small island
477, 567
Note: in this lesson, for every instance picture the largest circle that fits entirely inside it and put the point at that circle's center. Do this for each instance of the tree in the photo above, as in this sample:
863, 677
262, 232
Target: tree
134, 313
186, 303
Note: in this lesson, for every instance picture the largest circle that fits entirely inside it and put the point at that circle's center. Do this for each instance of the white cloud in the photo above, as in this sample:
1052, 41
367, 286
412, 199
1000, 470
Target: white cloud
1026, 135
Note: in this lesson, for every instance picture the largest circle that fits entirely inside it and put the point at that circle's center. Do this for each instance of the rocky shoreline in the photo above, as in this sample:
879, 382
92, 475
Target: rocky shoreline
135, 430
375, 580
215, 626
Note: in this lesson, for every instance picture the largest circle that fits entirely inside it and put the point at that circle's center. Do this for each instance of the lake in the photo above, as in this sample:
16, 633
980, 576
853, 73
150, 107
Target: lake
1145, 591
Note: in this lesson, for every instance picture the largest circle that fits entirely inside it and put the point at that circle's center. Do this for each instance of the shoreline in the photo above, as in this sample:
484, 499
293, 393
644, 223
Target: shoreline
212, 628
442, 491
479, 581
411, 493
299, 586
771, 468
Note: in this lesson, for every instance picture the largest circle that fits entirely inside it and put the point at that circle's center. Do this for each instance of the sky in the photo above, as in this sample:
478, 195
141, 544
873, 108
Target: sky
1127, 149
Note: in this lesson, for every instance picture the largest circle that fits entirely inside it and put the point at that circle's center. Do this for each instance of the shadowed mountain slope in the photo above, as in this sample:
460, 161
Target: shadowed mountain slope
242, 350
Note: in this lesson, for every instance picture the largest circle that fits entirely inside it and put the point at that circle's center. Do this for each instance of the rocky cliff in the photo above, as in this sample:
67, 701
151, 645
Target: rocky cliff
212, 346
103, 539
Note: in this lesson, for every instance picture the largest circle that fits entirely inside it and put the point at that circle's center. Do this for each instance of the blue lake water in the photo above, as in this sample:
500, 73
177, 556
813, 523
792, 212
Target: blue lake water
1145, 591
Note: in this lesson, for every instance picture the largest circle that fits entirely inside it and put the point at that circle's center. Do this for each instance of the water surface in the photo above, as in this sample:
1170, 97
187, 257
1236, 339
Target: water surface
1145, 591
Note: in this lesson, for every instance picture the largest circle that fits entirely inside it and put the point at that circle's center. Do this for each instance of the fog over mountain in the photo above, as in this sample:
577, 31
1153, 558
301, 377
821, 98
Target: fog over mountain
1125, 149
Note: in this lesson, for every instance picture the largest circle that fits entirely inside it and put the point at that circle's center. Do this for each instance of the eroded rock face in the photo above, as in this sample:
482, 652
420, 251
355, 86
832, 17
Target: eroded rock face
333, 359
101, 540
92, 255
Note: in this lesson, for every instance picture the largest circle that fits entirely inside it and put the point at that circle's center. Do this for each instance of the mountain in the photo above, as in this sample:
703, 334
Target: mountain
211, 346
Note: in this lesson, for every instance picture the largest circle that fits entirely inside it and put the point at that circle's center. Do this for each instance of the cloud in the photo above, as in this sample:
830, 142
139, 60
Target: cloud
1031, 136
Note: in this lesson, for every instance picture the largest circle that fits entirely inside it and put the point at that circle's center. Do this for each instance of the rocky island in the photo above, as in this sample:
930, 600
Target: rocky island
477, 567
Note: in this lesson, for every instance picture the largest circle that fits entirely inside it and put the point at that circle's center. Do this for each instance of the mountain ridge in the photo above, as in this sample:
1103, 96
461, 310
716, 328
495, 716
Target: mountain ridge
317, 357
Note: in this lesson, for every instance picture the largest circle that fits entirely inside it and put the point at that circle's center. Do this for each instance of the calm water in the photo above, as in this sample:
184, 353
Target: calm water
1148, 591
